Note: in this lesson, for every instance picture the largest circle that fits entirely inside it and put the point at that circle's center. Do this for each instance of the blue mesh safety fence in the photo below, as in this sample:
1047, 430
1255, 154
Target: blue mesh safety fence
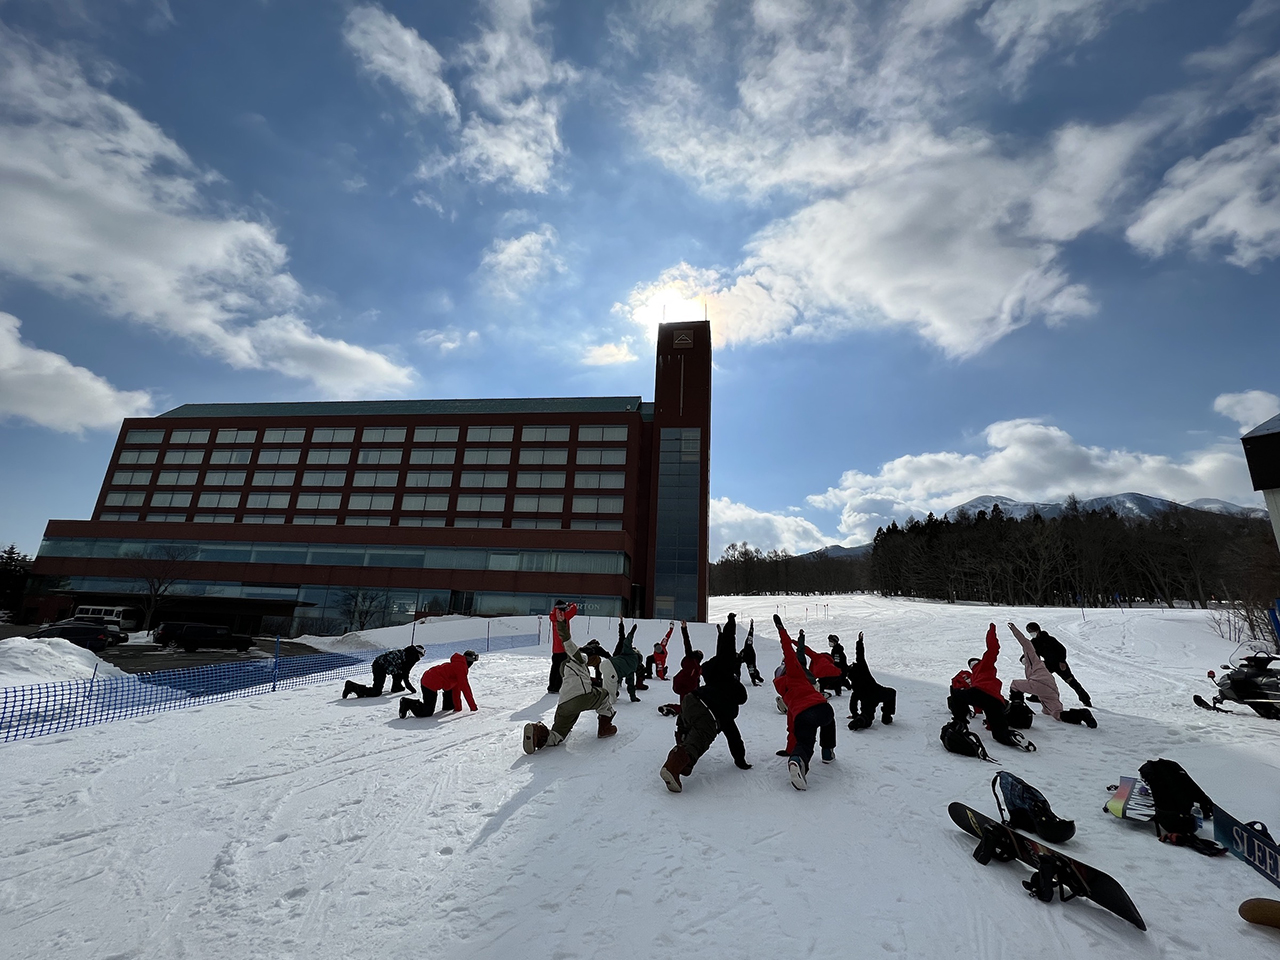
44, 708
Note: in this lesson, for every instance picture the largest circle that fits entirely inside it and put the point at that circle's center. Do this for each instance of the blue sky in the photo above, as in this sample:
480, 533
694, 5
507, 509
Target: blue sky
948, 247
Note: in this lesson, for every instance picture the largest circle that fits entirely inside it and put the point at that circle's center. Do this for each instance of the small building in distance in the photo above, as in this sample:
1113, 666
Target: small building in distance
321, 517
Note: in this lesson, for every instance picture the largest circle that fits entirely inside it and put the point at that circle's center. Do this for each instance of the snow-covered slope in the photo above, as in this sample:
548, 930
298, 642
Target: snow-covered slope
303, 826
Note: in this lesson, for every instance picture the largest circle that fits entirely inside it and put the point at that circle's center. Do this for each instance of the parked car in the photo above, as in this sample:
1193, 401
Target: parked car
112, 627
91, 636
192, 636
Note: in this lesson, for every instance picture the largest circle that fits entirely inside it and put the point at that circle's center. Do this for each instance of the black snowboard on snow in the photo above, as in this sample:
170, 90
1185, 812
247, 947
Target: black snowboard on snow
1080, 878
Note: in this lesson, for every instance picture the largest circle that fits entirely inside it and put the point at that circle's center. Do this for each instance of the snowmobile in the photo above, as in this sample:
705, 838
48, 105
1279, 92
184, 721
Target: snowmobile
1253, 679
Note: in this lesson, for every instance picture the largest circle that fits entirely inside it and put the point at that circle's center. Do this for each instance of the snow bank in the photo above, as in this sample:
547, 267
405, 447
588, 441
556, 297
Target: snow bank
48, 660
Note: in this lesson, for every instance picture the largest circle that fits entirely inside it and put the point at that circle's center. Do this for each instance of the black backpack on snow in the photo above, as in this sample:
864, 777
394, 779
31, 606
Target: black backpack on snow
1029, 810
956, 737
1173, 792
1018, 715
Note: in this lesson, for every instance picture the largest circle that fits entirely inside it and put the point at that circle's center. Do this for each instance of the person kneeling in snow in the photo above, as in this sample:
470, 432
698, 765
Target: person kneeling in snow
979, 687
626, 661
655, 665
397, 663
867, 694
808, 711
449, 678
1039, 683
579, 692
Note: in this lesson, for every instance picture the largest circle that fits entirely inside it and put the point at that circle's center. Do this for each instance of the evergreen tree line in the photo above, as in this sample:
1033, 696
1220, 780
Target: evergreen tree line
1094, 558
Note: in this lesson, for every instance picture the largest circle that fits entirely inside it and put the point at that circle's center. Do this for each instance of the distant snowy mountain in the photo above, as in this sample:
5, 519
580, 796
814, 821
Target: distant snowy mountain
1124, 504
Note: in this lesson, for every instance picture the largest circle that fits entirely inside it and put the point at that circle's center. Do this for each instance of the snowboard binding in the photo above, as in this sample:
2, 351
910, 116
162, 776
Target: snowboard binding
1055, 875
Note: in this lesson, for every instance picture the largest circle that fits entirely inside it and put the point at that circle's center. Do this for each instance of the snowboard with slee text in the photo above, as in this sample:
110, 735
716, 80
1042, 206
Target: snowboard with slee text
1084, 880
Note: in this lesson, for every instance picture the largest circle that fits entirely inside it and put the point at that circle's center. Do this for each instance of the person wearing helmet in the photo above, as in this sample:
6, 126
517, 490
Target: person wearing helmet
449, 678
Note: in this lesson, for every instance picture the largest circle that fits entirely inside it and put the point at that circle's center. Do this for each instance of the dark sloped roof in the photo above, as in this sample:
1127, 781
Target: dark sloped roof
365, 408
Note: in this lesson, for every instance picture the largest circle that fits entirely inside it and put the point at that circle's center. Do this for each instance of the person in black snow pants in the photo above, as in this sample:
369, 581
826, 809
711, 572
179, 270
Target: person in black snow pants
626, 661
687, 677
1054, 655
723, 692
397, 663
747, 656
867, 694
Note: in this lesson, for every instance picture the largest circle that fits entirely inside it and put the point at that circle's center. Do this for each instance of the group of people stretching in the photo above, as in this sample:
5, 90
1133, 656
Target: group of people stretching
710, 691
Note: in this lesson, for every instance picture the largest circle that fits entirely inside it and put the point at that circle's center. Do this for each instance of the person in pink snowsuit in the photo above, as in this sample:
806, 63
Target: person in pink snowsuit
1039, 683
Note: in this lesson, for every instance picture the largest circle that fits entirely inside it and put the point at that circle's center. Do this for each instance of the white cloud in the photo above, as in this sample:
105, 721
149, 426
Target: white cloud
1025, 30
1028, 460
607, 354
731, 522
1248, 409
510, 267
101, 205
48, 390
899, 217
388, 49
1226, 198
448, 340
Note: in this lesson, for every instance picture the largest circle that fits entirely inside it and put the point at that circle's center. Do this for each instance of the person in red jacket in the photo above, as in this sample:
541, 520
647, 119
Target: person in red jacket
655, 665
979, 687
689, 676
449, 678
808, 712
826, 671
561, 614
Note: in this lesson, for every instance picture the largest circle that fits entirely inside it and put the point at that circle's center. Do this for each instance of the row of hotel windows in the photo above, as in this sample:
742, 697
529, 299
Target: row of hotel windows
491, 479
488, 503
319, 520
587, 434
382, 455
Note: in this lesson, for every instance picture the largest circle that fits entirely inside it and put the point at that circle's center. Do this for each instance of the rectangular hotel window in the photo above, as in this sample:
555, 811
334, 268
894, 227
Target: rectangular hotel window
241, 455
379, 455
268, 501
490, 434
536, 523
371, 501
597, 504
595, 524
279, 456
599, 481
263, 518
290, 435
136, 477
174, 478
367, 521
485, 522
490, 455
124, 498
421, 501
482, 504
189, 436
319, 501
314, 521
429, 478
422, 521
174, 499
224, 478
595, 456
333, 434
440, 455
483, 478
167, 517
232, 435
543, 456
184, 456
376, 478
144, 436
383, 435
531, 478
273, 478
544, 434
329, 455
597, 434
138, 456
215, 518
219, 500
324, 478
118, 516
538, 504
435, 435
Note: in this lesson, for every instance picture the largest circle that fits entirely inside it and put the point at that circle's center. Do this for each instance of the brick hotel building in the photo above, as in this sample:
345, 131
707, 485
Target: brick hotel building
297, 517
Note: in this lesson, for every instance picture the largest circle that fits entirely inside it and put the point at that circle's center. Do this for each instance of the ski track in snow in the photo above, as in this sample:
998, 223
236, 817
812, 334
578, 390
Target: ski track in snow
300, 825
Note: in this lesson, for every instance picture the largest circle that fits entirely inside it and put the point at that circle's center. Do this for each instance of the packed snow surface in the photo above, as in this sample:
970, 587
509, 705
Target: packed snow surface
48, 660
300, 825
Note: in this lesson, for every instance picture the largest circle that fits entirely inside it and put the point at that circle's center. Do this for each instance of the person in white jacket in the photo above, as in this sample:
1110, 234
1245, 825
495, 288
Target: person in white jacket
580, 691
1039, 683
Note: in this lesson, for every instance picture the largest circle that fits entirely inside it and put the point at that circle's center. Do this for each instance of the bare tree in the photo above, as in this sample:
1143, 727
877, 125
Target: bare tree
362, 607
157, 570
